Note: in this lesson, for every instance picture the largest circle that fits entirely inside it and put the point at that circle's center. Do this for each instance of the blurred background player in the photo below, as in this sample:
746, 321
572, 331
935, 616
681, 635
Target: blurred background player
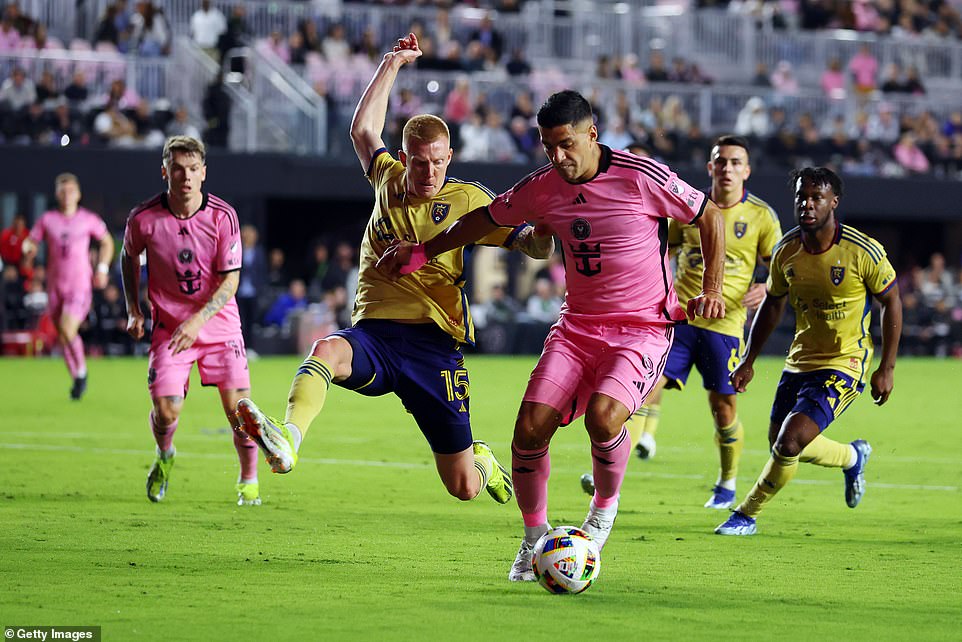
601, 359
67, 231
830, 272
714, 346
194, 254
407, 334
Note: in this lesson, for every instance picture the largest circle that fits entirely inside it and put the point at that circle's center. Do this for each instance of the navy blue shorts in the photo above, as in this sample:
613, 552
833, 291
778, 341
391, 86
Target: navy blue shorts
714, 354
422, 365
822, 395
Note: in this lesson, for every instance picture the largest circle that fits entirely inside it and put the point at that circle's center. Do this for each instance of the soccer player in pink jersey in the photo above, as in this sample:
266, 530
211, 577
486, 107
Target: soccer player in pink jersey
71, 278
192, 243
610, 211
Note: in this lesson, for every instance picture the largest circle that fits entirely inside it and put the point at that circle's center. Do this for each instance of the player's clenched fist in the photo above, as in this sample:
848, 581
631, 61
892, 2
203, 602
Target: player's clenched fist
708, 305
135, 325
742, 376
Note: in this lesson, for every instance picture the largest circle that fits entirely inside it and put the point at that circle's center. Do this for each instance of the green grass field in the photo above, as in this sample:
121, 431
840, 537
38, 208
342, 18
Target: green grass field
362, 542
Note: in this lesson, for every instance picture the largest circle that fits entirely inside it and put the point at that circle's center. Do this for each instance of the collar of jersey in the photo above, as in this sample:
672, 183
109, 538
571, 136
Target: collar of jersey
166, 204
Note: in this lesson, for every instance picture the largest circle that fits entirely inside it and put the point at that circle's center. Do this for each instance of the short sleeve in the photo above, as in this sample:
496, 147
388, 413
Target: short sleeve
229, 253
37, 231
98, 229
133, 237
879, 275
771, 234
379, 169
669, 195
513, 207
777, 284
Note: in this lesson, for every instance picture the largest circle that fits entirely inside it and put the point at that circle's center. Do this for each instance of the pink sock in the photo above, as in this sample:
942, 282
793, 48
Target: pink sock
529, 472
247, 453
608, 463
163, 435
70, 359
77, 346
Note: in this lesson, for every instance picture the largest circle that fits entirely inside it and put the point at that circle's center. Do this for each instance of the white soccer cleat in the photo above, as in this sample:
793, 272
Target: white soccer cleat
598, 523
646, 446
271, 435
521, 570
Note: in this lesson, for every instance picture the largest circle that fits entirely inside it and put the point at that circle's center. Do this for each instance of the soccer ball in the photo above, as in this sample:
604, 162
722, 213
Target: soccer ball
566, 560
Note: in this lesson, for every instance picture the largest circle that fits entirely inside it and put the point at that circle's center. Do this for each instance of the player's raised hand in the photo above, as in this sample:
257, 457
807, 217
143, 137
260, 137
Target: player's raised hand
708, 305
755, 295
742, 376
135, 325
407, 49
186, 334
883, 381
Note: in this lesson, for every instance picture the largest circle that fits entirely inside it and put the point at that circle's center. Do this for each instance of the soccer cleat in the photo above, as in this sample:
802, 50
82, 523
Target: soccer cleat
720, 498
521, 570
646, 446
588, 484
737, 524
598, 523
271, 435
855, 476
79, 388
158, 477
248, 494
499, 484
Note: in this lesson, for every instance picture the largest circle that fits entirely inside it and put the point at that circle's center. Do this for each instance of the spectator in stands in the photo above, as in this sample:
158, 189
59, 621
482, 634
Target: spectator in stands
181, 124
9, 36
517, 65
11, 241
77, 92
783, 79
18, 91
656, 71
752, 120
762, 77
474, 57
253, 281
616, 134
294, 299
909, 156
23, 23
913, 82
892, 79
833, 81
500, 307
296, 49
277, 274
113, 128
207, 25
64, 127
936, 283
216, 108
489, 37
108, 322
526, 139
543, 306
237, 35
47, 87
150, 34
882, 125
864, 67
335, 46
107, 27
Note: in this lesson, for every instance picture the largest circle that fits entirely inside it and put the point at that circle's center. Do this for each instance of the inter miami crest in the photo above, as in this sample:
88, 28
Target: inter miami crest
740, 228
439, 211
837, 273
185, 256
580, 229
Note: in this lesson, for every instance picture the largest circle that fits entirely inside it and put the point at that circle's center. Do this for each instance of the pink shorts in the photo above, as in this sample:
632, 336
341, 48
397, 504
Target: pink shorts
222, 364
75, 303
580, 358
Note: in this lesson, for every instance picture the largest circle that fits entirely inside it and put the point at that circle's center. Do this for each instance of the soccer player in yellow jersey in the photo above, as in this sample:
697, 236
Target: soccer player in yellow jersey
406, 334
829, 272
714, 346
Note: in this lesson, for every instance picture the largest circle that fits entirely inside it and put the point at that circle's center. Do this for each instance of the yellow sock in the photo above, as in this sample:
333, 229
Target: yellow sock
654, 414
777, 473
823, 451
636, 425
308, 392
484, 466
730, 441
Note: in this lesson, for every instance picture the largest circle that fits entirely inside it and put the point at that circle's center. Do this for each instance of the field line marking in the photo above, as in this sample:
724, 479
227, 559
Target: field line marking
430, 465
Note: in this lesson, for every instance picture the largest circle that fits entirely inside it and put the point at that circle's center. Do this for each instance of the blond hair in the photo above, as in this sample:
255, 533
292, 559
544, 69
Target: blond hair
426, 128
66, 177
186, 145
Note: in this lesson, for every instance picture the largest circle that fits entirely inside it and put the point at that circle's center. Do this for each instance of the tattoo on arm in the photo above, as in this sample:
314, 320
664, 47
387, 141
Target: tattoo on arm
537, 247
221, 295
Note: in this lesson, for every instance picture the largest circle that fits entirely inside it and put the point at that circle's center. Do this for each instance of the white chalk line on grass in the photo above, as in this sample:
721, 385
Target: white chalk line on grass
409, 465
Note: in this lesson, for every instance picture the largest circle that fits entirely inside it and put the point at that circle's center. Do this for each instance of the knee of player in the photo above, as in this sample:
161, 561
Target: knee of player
335, 351
463, 488
165, 414
603, 422
787, 446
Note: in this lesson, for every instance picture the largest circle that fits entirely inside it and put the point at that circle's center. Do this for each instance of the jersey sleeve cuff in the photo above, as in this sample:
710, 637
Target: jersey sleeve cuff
508, 242
889, 287
701, 210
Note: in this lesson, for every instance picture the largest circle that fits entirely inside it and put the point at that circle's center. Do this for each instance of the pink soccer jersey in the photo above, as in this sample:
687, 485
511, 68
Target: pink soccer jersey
184, 258
68, 248
614, 233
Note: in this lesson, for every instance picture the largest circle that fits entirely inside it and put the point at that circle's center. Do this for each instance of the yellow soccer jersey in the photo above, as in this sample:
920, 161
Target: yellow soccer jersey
832, 296
436, 291
751, 230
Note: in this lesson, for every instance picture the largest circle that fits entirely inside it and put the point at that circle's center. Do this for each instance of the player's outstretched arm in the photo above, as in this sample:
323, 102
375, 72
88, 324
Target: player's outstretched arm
883, 379
711, 227
130, 273
764, 323
371, 111
403, 257
536, 242
186, 333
